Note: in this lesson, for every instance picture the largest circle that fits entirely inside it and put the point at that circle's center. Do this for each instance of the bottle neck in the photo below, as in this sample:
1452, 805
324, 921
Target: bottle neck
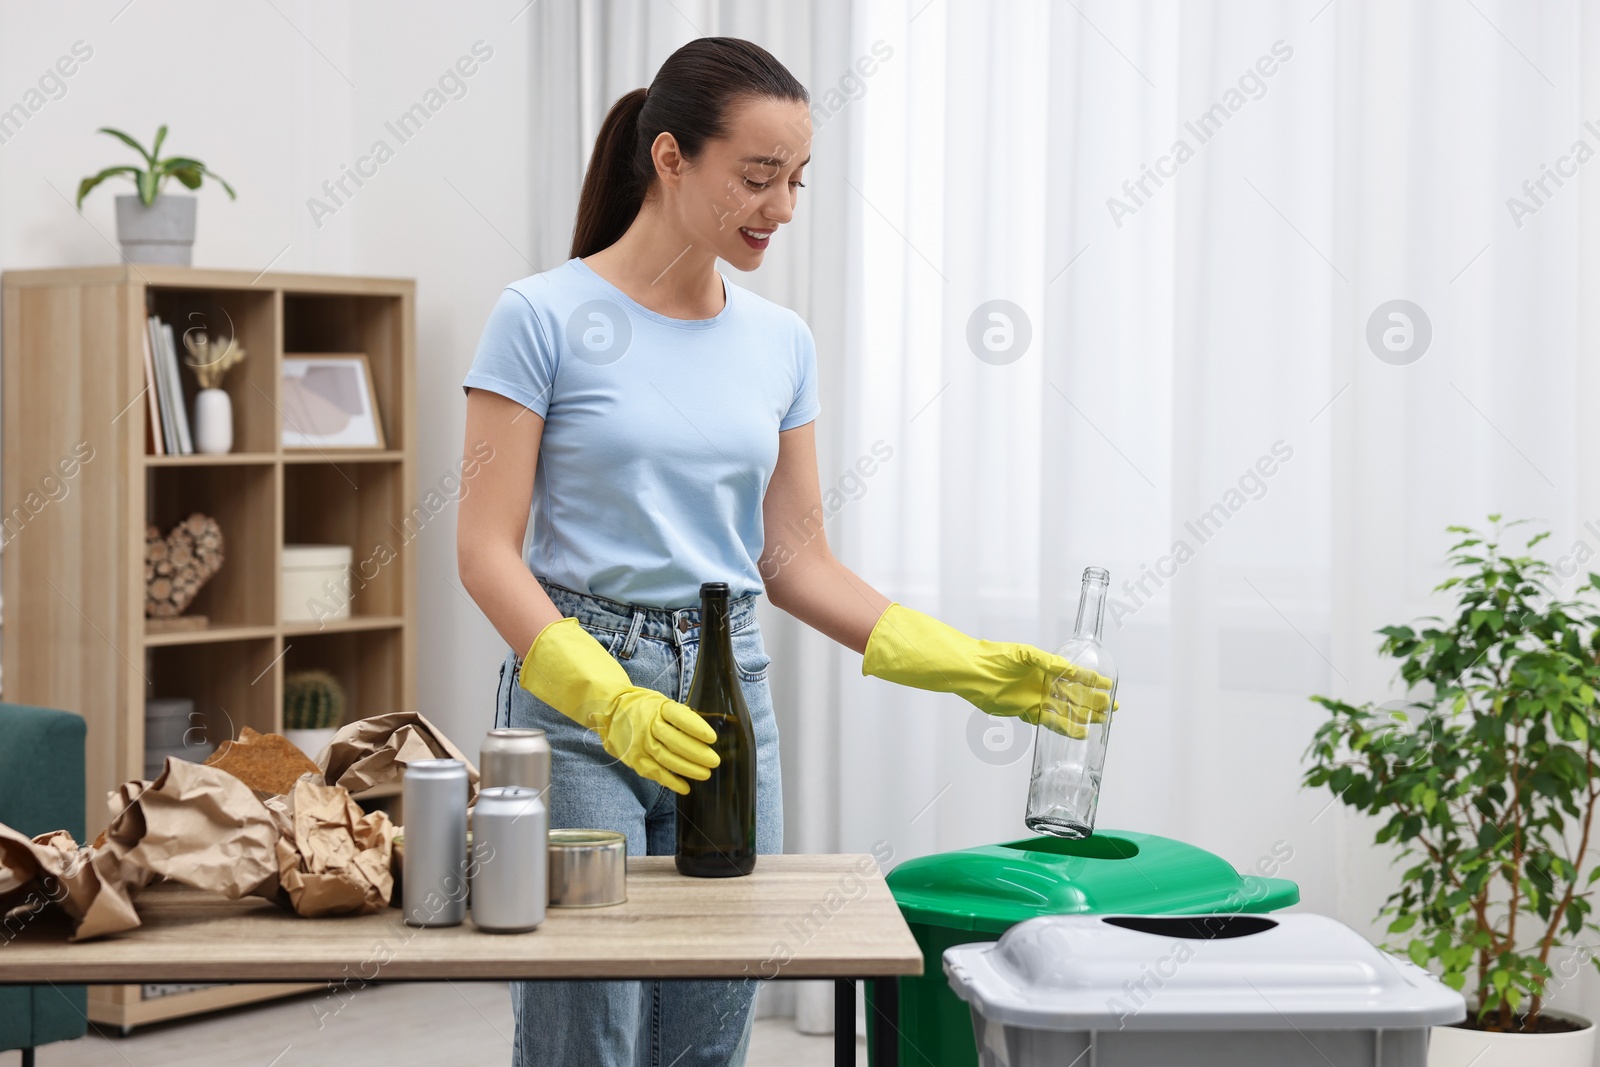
716, 639
1091, 607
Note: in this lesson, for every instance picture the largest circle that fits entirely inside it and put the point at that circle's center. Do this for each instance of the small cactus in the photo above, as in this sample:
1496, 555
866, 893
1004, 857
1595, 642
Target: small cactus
312, 700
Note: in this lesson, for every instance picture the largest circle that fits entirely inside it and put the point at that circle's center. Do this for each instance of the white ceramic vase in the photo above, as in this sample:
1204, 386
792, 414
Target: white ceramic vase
1452, 1046
311, 742
213, 422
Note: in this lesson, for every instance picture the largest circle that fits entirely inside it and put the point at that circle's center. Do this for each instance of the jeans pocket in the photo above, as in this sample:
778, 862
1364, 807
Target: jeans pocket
750, 655
610, 640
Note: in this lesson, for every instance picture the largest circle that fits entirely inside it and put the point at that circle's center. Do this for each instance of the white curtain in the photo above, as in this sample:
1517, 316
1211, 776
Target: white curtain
1198, 208
1193, 211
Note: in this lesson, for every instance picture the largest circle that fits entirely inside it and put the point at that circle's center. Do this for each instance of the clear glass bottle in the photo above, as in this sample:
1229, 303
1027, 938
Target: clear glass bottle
1065, 786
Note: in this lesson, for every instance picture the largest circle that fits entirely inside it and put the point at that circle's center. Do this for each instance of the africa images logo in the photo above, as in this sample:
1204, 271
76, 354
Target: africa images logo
599, 332
1399, 332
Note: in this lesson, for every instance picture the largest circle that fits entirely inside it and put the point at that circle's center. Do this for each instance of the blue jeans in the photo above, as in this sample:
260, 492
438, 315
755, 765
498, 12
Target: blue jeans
651, 1023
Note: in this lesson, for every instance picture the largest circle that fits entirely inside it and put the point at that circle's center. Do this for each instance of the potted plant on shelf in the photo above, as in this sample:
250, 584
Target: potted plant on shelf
313, 710
154, 227
1489, 787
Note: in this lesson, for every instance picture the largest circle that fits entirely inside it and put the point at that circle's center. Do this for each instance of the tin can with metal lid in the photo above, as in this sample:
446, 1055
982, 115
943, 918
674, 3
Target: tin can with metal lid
515, 757
434, 882
588, 868
509, 831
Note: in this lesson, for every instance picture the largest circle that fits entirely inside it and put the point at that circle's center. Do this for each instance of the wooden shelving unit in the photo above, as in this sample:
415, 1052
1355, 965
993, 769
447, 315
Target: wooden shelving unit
73, 564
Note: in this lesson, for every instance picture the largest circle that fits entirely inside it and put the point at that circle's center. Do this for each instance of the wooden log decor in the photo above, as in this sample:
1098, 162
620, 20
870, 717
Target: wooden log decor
177, 565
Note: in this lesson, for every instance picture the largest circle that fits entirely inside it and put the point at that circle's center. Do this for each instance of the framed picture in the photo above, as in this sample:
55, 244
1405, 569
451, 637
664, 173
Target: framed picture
328, 402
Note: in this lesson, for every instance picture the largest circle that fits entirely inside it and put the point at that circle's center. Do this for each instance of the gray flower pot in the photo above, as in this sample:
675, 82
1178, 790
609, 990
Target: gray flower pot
160, 233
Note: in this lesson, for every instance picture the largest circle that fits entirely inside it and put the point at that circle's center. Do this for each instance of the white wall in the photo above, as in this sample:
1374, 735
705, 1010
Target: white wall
277, 98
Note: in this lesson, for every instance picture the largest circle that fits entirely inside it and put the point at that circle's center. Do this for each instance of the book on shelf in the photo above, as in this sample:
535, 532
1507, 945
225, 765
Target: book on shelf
179, 407
154, 442
169, 443
168, 383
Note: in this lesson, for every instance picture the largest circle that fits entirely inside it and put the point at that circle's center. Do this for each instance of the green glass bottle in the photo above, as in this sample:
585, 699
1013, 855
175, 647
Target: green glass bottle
717, 817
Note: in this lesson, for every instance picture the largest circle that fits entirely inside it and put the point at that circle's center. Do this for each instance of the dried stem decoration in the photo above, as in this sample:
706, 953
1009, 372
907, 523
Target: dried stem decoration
211, 358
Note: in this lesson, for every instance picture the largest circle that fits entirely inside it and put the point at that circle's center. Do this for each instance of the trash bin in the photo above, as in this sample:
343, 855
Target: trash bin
1205, 991
977, 894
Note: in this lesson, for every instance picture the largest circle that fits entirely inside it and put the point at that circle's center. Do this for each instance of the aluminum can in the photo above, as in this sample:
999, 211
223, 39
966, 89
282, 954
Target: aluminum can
510, 831
516, 757
434, 879
588, 868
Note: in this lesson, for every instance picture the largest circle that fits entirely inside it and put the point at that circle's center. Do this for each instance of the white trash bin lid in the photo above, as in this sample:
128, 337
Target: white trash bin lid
1195, 972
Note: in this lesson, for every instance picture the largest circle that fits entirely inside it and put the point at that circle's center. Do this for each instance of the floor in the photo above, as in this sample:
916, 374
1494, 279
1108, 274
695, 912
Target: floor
407, 1024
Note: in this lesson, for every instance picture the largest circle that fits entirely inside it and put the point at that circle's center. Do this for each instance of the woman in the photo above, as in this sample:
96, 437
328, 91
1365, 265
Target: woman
658, 418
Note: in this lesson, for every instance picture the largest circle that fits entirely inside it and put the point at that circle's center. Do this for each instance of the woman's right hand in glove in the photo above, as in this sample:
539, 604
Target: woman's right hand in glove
656, 736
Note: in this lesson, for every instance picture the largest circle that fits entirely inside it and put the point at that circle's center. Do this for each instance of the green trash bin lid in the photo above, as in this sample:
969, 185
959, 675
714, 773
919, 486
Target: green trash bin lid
990, 888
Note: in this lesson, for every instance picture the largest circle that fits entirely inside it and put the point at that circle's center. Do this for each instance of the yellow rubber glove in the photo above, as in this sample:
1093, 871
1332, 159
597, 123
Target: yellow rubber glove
658, 737
998, 677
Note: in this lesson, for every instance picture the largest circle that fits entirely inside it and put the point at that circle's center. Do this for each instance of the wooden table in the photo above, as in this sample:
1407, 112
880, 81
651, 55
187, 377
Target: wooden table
797, 916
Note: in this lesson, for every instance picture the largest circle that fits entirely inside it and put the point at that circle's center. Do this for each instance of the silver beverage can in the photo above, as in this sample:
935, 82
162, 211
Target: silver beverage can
516, 757
510, 830
434, 878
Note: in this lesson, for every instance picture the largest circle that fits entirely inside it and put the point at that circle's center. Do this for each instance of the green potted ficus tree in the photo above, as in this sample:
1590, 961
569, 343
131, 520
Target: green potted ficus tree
1487, 781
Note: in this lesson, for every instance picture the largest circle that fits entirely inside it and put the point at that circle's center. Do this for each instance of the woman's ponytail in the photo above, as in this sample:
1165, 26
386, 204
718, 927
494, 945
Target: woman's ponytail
612, 193
690, 99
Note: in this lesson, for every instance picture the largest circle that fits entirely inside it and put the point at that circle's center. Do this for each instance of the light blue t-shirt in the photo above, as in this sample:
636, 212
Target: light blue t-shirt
660, 434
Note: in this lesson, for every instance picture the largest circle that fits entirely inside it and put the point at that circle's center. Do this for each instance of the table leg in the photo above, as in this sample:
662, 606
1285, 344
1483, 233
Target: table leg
886, 1032
844, 1022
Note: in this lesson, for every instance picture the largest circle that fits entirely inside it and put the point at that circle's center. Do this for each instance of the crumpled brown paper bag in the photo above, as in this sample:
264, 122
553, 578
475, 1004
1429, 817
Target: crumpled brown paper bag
194, 824
197, 825
375, 750
333, 858
89, 884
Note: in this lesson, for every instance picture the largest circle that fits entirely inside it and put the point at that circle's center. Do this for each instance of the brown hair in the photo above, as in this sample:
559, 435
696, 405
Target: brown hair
690, 98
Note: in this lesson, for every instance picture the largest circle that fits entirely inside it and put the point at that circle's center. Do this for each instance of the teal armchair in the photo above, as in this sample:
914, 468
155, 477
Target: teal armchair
41, 789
